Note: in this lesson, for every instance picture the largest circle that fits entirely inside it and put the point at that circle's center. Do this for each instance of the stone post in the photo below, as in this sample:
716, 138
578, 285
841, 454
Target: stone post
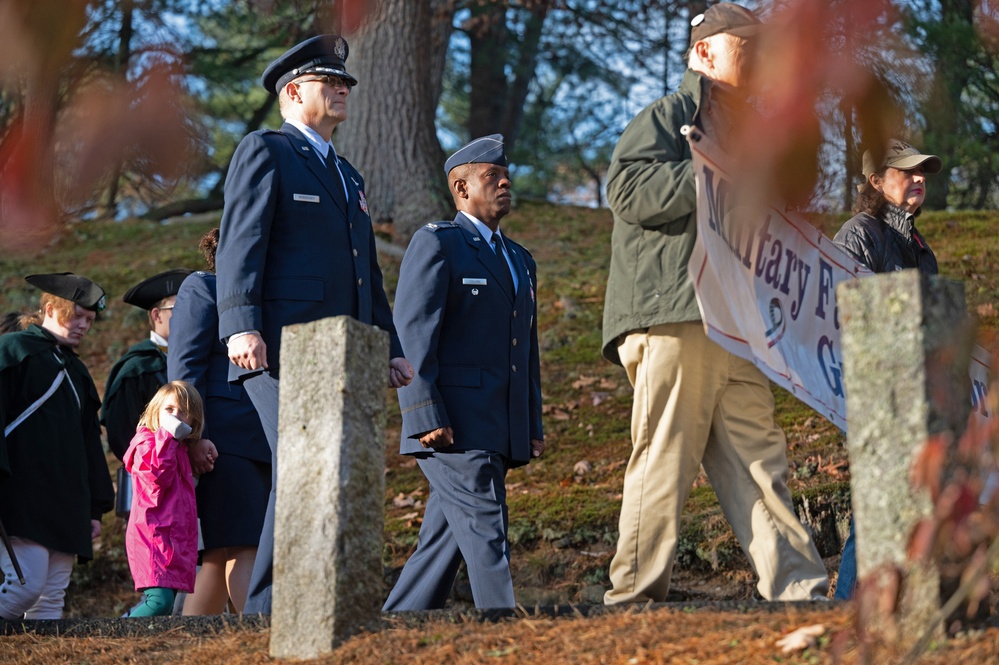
330, 485
903, 384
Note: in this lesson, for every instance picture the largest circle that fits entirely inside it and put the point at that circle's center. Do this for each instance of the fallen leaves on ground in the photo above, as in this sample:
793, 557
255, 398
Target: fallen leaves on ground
803, 638
632, 637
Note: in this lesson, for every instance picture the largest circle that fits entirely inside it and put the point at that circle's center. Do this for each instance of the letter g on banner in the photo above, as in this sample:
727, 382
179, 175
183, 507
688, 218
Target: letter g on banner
831, 367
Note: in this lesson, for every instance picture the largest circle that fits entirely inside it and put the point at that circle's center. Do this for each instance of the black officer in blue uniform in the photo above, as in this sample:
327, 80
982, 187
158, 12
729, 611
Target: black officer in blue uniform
296, 242
466, 313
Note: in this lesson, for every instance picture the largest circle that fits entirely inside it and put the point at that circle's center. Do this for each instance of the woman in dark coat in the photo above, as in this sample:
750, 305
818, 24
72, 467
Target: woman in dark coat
882, 235
232, 498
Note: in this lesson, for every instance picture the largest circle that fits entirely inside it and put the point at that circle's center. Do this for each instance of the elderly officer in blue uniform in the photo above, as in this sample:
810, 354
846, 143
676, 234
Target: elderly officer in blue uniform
296, 243
466, 314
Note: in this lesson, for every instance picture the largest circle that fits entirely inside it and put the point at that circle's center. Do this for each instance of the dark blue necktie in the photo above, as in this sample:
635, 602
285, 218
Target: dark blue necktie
338, 184
497, 244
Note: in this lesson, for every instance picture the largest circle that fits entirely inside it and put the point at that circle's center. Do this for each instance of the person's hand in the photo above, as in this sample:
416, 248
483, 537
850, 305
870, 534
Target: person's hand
442, 437
400, 372
202, 455
537, 447
248, 351
95, 529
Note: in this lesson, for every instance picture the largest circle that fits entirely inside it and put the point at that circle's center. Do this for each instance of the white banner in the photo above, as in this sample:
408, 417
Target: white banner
766, 284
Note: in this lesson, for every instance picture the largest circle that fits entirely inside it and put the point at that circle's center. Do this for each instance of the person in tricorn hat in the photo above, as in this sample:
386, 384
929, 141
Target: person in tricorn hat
59, 486
882, 235
138, 374
466, 313
695, 404
296, 243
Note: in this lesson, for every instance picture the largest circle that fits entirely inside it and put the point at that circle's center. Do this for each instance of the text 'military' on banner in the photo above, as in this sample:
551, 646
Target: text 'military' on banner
766, 285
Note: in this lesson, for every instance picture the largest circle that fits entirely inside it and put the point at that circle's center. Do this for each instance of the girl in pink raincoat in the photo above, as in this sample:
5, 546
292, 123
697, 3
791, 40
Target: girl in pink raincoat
162, 535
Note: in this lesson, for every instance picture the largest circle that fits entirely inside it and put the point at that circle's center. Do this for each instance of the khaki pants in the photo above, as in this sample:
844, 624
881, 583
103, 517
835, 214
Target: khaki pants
696, 404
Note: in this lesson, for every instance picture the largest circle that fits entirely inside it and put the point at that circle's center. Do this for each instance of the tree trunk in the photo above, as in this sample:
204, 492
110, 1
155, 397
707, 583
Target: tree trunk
597, 180
397, 56
850, 155
184, 207
527, 63
955, 44
122, 57
488, 97
669, 13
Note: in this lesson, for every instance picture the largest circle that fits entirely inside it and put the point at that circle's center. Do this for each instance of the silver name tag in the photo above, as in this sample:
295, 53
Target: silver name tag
306, 198
475, 281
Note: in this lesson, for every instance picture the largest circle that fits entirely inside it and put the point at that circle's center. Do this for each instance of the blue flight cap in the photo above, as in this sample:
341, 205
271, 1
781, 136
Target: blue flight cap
325, 54
485, 150
75, 288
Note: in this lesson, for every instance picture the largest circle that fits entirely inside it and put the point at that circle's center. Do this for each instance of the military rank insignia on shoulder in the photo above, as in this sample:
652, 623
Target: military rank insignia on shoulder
437, 226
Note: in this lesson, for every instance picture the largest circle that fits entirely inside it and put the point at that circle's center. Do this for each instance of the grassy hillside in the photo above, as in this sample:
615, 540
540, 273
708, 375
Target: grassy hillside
563, 509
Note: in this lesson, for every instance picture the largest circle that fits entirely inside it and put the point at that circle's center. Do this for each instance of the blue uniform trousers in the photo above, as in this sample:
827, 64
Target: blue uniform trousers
263, 391
465, 518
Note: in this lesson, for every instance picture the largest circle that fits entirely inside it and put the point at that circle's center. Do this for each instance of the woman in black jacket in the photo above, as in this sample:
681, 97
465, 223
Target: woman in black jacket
882, 235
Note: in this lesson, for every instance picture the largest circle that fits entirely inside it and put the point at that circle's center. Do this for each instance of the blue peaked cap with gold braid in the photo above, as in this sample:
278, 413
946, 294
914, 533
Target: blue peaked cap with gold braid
325, 54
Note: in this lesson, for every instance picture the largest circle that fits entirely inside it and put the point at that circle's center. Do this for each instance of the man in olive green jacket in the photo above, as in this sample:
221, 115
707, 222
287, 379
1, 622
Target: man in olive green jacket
695, 404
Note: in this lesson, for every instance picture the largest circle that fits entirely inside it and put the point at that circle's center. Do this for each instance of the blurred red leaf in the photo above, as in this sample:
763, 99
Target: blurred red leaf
922, 543
817, 43
113, 121
352, 14
28, 214
37, 37
928, 464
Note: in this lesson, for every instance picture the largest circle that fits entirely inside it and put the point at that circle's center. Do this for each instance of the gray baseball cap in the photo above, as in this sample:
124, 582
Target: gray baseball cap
902, 156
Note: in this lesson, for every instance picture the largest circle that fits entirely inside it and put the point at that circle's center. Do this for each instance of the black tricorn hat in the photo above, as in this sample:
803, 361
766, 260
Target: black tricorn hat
150, 291
325, 54
75, 288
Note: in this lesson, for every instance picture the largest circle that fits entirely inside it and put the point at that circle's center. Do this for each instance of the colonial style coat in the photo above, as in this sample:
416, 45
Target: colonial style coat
132, 382
59, 478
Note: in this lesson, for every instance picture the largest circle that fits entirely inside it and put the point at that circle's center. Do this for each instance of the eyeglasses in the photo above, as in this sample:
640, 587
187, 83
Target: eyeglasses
163, 308
332, 81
